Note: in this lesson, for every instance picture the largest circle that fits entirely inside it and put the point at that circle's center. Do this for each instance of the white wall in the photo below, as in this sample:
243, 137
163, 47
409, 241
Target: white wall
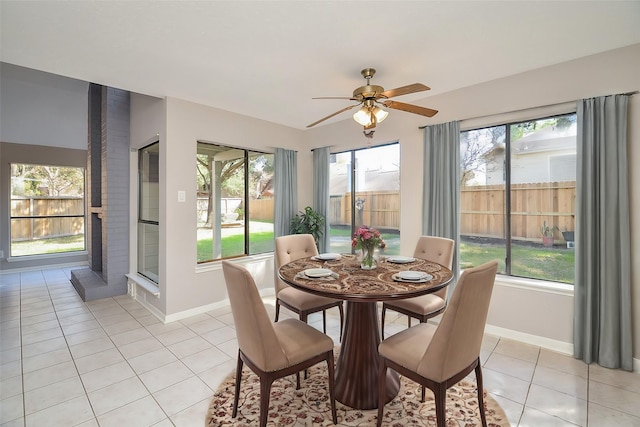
545, 314
187, 286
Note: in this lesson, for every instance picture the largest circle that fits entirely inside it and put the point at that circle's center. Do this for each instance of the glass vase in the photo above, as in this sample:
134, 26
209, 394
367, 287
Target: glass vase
368, 261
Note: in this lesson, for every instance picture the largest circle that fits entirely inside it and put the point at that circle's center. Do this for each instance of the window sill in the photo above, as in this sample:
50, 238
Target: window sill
134, 280
44, 256
217, 265
535, 285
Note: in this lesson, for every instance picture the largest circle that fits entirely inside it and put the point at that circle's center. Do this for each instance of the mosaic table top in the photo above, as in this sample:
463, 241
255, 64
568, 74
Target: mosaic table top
349, 281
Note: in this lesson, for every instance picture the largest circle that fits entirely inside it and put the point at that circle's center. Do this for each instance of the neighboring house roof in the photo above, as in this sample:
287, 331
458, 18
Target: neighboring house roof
550, 138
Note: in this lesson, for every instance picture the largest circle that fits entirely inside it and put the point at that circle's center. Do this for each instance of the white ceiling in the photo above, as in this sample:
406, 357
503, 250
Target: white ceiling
267, 59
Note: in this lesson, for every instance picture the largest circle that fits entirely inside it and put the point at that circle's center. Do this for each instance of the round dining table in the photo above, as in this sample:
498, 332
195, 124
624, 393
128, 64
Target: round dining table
342, 277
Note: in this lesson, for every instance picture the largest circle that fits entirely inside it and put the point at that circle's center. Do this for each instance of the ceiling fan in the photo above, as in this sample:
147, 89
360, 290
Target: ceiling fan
371, 97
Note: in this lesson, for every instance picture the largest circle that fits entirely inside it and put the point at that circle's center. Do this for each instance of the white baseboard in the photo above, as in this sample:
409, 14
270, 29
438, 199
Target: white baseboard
44, 267
548, 343
141, 299
194, 311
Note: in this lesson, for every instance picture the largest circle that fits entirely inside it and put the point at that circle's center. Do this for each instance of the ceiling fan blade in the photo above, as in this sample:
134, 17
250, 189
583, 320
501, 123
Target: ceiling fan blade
415, 109
404, 90
335, 97
331, 115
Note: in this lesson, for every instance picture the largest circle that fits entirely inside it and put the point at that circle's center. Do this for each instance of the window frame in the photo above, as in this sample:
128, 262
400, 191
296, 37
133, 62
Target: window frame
143, 222
509, 120
12, 217
247, 155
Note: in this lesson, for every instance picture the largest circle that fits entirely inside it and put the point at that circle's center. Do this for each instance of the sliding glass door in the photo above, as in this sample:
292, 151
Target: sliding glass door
365, 190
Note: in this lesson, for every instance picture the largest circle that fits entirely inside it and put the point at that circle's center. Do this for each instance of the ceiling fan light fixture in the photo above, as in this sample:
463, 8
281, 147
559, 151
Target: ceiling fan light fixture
380, 114
367, 115
363, 116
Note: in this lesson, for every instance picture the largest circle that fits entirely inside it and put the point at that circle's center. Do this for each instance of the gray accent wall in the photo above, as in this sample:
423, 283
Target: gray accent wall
42, 109
107, 195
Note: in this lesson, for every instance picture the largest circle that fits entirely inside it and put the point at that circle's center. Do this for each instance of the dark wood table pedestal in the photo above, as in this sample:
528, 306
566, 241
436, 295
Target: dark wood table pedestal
359, 357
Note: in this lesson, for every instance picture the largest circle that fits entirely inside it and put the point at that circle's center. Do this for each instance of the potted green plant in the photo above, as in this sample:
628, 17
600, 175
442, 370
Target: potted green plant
547, 234
308, 222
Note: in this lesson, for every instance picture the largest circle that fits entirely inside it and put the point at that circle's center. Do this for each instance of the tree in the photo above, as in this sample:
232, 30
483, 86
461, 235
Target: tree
478, 148
48, 180
232, 177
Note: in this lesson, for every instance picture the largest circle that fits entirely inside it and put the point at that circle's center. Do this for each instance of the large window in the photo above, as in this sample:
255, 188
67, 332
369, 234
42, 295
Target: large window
235, 202
149, 211
365, 190
518, 186
47, 209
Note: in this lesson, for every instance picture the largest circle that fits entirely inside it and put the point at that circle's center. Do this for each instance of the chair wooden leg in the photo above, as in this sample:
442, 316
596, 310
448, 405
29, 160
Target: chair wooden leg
331, 375
277, 310
303, 317
483, 416
324, 321
440, 398
265, 391
423, 394
408, 321
341, 319
384, 312
238, 380
381, 389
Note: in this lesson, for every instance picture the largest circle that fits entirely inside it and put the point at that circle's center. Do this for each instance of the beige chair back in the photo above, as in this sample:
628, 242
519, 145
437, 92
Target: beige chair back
290, 248
456, 342
257, 338
436, 249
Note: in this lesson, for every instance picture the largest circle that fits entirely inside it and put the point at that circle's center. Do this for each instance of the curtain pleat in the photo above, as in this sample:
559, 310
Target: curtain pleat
285, 189
441, 186
602, 290
321, 192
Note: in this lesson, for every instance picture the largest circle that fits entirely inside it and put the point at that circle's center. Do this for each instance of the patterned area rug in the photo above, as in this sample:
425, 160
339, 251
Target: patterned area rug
309, 406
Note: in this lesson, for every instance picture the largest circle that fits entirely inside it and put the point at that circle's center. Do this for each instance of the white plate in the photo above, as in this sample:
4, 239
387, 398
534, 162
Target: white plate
400, 259
328, 256
426, 278
318, 272
411, 275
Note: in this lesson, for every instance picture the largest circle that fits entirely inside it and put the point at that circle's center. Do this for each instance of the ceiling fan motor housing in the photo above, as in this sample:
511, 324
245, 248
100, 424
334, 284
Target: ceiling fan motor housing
368, 91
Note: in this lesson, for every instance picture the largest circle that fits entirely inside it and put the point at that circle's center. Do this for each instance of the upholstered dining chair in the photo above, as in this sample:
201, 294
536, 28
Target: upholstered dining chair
431, 248
290, 248
272, 350
438, 357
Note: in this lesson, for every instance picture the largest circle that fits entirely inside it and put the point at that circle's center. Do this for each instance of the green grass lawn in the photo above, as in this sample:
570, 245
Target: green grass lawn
48, 246
536, 262
233, 245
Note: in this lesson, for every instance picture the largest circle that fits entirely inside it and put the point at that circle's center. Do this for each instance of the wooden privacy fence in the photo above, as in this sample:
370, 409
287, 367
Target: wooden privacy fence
379, 209
259, 209
482, 209
45, 217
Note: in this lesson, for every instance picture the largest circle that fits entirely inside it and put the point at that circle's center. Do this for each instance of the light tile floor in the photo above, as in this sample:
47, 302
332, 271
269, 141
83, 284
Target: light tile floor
111, 363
